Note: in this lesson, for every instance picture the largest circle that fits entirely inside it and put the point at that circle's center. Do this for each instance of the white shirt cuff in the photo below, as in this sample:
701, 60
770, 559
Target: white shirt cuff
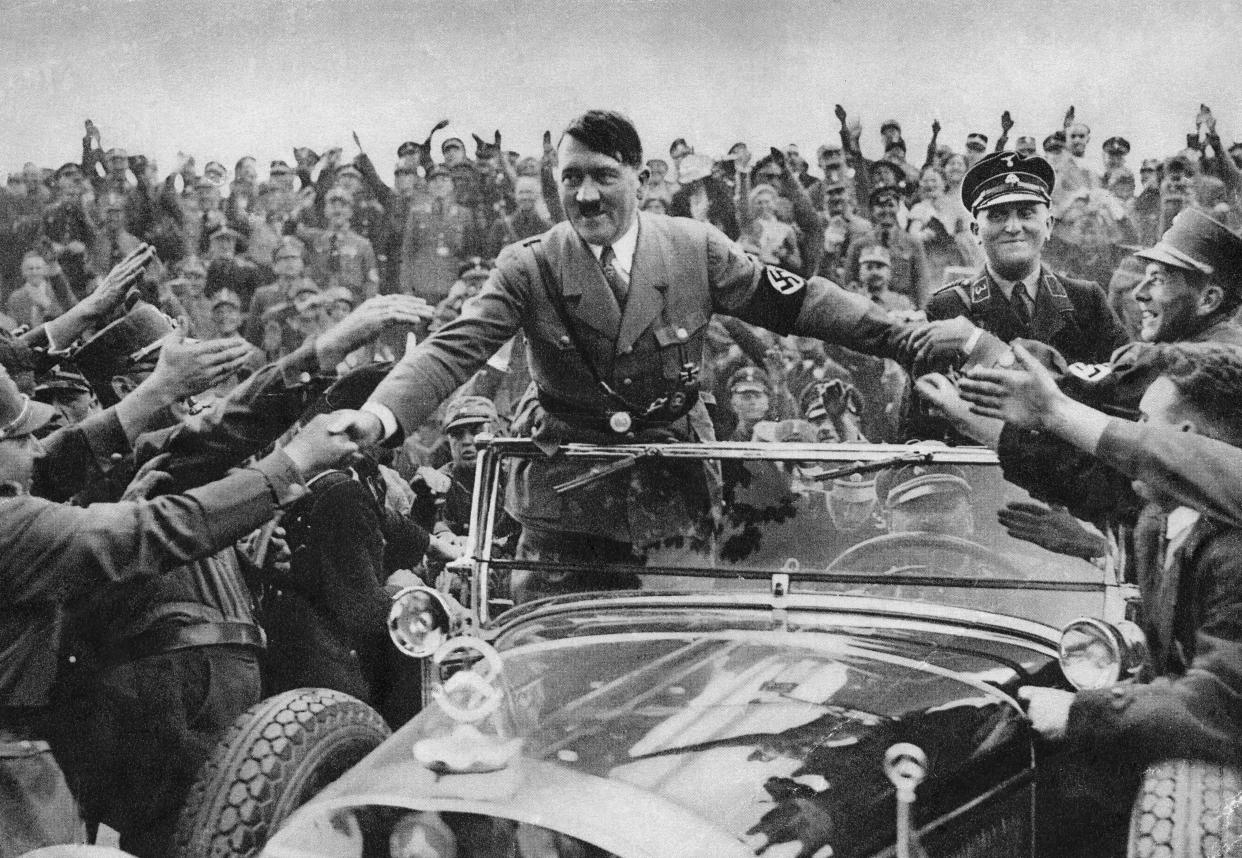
972, 341
384, 413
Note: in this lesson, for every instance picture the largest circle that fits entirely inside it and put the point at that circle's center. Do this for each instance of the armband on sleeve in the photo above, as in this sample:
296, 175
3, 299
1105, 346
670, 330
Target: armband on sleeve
776, 301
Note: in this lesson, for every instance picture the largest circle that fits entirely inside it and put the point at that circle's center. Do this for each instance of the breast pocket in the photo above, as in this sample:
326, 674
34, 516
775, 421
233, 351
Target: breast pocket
681, 343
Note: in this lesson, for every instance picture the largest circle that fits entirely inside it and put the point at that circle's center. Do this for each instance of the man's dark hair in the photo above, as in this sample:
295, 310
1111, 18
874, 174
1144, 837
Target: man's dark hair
1226, 281
608, 133
1208, 376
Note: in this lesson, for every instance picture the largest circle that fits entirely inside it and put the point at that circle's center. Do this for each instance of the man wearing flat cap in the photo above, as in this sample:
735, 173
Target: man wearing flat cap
1015, 295
1115, 151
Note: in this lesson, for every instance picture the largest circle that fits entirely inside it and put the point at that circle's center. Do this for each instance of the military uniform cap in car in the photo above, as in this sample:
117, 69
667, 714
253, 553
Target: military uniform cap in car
912, 482
1005, 177
749, 378
469, 411
1196, 242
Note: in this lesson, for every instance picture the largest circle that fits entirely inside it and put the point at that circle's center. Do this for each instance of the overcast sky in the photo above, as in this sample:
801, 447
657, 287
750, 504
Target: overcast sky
234, 77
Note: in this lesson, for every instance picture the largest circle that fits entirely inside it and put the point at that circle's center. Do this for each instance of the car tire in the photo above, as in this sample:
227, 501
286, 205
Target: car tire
1187, 809
271, 761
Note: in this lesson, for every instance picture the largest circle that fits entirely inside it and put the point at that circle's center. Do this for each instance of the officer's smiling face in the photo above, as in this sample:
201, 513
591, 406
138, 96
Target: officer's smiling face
598, 192
1013, 236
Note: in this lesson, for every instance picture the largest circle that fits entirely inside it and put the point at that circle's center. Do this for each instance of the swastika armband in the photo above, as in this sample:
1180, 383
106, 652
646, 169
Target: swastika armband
1089, 371
777, 300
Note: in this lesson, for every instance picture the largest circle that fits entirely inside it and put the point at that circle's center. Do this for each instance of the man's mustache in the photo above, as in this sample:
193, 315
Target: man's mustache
590, 209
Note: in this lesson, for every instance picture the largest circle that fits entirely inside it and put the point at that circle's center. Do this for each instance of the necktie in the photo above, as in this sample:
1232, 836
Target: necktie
1018, 300
619, 283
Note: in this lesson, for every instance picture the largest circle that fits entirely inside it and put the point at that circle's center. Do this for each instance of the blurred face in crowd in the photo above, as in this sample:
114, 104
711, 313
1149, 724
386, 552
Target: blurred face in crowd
441, 187
338, 211
247, 170
749, 404
679, 151
1235, 152
116, 164
288, 263
770, 174
1121, 186
338, 310
17, 460
227, 318
195, 277
34, 269
598, 192
349, 183
208, 198
658, 168
1173, 304
884, 211
875, 276
931, 185
74, 406
526, 193
32, 177
307, 305
1077, 139
222, 247
1113, 160
461, 442
1149, 177
655, 205
835, 202
763, 206
1013, 236
831, 164
1025, 147
454, 155
405, 179
114, 216
955, 170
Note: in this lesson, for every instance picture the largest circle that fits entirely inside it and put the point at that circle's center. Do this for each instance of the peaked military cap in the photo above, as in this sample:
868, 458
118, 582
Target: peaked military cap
750, 378
1117, 146
1004, 177
1196, 242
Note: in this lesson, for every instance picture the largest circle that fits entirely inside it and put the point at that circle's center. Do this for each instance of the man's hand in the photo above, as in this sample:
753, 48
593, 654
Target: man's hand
362, 426
935, 128
1053, 529
304, 157
92, 130
186, 368
318, 446
549, 151
742, 159
111, 290
1006, 122
841, 114
147, 479
438, 483
941, 395
332, 157
357, 142
943, 338
365, 323
1048, 709
1069, 118
1026, 396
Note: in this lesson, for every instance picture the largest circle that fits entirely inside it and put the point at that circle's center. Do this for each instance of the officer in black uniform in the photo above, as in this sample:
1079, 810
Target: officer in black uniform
1015, 295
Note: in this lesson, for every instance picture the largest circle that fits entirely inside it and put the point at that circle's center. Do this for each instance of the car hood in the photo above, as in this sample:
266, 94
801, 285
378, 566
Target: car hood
734, 738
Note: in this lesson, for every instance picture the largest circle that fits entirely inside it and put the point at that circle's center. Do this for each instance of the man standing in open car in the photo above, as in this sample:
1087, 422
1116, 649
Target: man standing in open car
615, 305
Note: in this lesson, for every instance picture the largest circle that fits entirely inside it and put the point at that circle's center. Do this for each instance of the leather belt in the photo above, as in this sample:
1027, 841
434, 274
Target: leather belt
172, 638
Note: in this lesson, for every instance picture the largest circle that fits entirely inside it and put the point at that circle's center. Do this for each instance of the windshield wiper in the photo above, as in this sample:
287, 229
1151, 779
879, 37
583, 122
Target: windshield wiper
869, 467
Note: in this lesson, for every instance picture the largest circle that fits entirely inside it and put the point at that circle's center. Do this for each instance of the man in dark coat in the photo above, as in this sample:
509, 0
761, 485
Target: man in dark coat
1015, 295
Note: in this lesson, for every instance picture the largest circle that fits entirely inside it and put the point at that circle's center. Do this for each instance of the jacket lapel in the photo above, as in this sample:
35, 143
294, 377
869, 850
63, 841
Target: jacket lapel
1050, 303
648, 281
588, 297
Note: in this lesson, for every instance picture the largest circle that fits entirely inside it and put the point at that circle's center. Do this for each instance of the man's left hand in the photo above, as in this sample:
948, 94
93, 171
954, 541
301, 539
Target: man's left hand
1048, 709
1025, 395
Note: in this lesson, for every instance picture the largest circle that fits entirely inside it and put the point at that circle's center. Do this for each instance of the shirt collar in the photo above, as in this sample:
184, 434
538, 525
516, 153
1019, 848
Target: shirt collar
1179, 521
1030, 284
624, 247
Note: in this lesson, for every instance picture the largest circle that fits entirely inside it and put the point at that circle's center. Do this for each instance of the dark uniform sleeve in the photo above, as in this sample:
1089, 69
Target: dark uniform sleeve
448, 358
78, 455
785, 303
945, 304
1198, 471
55, 552
1197, 715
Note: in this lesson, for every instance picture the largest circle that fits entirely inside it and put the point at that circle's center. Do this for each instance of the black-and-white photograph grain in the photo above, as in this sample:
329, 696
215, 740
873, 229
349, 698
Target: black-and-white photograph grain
620, 429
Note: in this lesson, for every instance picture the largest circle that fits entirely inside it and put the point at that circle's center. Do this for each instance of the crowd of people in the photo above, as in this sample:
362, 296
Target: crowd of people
160, 330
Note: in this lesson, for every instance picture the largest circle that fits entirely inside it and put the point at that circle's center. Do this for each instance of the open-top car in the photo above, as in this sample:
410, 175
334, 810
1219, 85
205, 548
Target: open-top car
820, 659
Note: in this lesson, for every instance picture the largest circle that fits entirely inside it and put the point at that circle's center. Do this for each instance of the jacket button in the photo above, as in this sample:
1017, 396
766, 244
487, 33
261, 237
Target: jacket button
353, 653
565, 340
627, 381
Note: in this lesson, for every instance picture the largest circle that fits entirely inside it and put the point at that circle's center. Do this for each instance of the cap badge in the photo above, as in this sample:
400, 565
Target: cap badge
1011, 179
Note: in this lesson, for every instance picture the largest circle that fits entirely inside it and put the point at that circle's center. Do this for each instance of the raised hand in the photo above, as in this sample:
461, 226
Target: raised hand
935, 128
1053, 529
1006, 122
841, 115
366, 322
147, 479
1069, 117
186, 368
1025, 395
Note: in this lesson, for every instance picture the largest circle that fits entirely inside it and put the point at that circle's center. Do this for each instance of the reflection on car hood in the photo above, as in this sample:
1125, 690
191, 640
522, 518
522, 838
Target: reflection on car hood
772, 737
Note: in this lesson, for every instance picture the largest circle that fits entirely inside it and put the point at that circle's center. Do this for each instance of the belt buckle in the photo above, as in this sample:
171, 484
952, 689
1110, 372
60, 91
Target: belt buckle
620, 422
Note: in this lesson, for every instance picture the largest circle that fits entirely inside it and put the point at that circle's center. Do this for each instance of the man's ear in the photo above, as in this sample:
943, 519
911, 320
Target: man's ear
1210, 300
974, 228
643, 175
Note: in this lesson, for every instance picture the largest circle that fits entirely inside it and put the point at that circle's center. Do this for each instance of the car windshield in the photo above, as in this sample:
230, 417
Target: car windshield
916, 523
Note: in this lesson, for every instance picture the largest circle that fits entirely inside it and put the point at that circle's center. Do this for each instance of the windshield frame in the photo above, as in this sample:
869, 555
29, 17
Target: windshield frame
488, 496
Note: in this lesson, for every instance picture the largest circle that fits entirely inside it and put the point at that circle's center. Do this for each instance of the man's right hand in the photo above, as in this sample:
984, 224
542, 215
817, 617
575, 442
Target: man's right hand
943, 338
111, 290
841, 114
362, 426
318, 446
366, 322
186, 368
